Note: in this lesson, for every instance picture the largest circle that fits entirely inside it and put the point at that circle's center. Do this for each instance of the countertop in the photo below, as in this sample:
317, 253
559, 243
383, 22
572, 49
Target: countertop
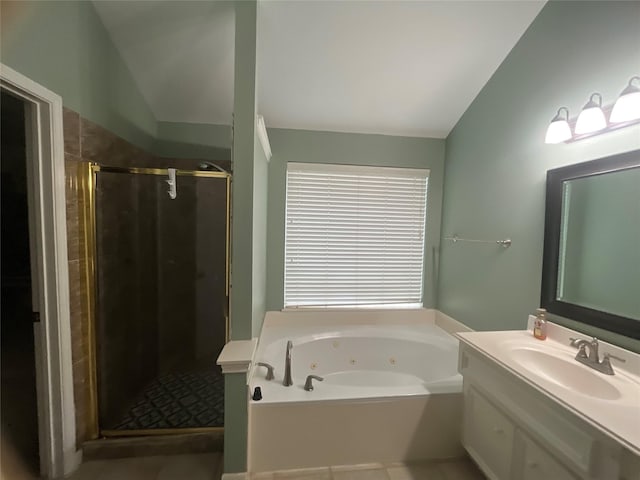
617, 418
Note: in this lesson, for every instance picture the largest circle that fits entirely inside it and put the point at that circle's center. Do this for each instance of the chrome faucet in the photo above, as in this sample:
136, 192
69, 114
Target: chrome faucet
593, 359
287, 382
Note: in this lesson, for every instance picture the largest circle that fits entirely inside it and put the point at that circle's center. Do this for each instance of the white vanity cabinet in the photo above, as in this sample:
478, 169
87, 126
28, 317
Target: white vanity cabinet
487, 434
537, 463
515, 431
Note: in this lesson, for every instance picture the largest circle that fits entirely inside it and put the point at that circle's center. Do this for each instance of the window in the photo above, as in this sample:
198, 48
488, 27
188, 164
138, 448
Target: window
354, 235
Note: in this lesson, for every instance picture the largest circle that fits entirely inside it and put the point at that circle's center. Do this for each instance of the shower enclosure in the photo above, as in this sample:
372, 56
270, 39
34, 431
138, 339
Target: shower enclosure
161, 270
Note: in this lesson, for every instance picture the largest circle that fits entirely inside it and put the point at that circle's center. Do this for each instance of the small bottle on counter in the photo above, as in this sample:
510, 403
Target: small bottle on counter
540, 324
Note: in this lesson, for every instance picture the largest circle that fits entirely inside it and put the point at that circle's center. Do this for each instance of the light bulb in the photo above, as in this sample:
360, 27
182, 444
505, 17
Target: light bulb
627, 107
558, 130
591, 118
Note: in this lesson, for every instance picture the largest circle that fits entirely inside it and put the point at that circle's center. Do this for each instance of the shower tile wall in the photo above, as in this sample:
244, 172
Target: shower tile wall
101, 146
85, 141
77, 285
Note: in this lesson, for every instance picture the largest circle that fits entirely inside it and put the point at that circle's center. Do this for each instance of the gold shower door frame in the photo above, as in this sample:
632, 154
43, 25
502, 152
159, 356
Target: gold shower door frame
87, 186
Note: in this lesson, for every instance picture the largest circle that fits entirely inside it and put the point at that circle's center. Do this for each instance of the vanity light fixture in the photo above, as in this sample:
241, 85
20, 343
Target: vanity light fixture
596, 119
559, 130
591, 118
627, 107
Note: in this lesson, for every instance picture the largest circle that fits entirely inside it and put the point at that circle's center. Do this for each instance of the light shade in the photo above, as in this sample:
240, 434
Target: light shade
558, 130
591, 118
627, 107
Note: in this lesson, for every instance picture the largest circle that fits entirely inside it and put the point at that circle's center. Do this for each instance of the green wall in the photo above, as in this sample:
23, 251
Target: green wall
63, 46
496, 158
236, 404
245, 260
244, 107
193, 140
355, 149
259, 233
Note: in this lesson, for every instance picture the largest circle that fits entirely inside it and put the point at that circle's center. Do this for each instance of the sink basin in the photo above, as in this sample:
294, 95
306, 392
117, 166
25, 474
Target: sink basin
566, 373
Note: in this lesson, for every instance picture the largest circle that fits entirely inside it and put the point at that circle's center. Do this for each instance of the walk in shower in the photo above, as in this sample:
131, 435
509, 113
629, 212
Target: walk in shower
161, 270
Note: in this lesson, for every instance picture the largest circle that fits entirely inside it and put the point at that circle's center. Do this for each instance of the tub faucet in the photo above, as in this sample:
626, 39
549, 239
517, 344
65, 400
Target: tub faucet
269, 368
287, 382
308, 385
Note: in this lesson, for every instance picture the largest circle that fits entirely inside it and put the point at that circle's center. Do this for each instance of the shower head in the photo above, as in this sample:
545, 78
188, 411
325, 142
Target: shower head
211, 166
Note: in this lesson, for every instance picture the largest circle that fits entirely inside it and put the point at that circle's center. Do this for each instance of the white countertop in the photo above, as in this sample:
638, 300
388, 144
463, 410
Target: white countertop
618, 418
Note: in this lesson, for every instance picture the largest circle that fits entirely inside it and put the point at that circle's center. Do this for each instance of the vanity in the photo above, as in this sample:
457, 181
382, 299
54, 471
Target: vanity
531, 411
544, 409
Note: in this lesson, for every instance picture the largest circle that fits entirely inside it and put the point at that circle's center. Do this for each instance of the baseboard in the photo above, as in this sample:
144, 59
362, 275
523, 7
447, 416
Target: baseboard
235, 476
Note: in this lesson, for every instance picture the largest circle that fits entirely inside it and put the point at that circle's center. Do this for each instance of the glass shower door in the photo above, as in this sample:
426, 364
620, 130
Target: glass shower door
161, 299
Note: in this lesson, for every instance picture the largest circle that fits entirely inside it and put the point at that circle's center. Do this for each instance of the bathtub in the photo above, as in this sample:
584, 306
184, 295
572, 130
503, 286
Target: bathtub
391, 391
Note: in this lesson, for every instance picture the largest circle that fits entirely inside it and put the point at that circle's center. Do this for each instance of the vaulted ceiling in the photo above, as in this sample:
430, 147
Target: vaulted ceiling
389, 67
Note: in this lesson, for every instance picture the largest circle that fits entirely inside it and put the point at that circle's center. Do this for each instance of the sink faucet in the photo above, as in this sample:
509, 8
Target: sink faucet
581, 344
287, 382
593, 359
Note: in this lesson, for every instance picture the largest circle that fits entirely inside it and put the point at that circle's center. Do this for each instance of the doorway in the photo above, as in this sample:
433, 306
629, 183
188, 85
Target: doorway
48, 279
18, 407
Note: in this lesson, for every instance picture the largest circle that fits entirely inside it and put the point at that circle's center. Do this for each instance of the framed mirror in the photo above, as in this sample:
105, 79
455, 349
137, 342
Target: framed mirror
591, 260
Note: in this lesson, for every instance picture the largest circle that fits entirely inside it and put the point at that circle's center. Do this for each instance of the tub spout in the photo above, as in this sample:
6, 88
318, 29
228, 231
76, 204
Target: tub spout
287, 382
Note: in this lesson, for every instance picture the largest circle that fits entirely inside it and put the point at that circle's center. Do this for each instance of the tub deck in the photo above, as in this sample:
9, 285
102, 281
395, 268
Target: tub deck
358, 362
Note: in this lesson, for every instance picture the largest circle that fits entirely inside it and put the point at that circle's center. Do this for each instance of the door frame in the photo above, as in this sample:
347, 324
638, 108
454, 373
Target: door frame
54, 378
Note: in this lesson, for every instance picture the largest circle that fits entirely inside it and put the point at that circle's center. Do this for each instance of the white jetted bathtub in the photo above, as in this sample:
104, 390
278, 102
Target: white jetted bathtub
390, 390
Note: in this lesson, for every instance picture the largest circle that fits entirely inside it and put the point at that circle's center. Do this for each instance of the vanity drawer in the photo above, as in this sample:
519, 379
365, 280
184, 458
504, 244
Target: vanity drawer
537, 464
488, 435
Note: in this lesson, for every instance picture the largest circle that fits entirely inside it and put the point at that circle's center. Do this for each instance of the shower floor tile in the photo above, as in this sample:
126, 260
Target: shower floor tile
178, 400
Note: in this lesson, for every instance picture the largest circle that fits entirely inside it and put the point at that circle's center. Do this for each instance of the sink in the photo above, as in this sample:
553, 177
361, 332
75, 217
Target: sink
565, 372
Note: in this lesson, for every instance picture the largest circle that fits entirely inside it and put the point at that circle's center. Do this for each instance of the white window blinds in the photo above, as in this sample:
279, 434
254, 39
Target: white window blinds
354, 235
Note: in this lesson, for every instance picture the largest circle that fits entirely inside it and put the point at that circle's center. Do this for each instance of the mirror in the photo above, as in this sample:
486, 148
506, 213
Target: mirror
591, 261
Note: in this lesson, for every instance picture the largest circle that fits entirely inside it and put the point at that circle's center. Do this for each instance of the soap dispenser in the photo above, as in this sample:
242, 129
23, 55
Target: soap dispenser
540, 324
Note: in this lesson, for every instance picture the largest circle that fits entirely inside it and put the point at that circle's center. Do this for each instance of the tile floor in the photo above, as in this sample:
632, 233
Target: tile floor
463, 469
208, 467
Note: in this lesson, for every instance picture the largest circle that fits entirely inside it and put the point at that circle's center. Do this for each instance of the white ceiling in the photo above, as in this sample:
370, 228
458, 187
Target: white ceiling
390, 67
